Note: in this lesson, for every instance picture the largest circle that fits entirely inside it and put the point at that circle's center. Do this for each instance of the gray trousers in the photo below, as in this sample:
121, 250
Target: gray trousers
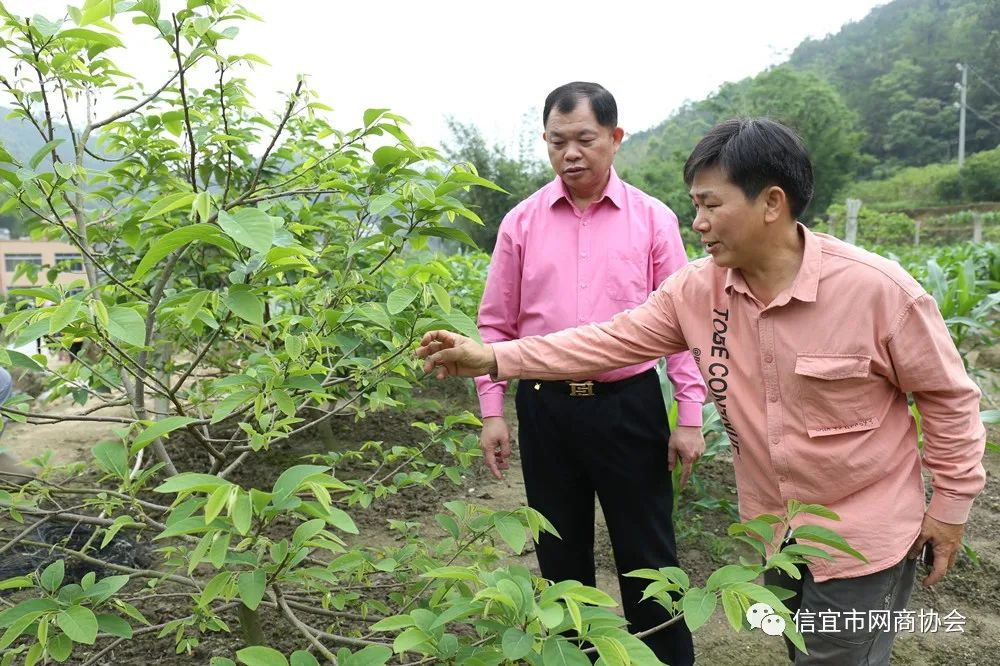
850, 642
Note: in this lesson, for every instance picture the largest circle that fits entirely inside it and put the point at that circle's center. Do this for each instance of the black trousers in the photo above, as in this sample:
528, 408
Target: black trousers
613, 444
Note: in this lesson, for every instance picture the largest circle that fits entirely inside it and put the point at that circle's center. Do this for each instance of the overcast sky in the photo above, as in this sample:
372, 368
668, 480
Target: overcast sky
491, 63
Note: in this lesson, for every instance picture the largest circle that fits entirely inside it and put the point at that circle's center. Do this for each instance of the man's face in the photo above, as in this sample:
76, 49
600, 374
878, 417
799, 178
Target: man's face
581, 150
730, 224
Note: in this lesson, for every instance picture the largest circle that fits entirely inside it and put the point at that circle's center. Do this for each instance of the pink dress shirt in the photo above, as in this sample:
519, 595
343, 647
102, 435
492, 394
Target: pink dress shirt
812, 389
555, 267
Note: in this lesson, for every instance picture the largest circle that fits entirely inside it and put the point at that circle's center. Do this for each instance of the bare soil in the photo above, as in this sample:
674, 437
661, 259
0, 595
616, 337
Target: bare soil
972, 589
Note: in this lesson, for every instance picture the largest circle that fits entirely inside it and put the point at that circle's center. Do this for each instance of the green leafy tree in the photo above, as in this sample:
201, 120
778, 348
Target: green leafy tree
247, 278
519, 176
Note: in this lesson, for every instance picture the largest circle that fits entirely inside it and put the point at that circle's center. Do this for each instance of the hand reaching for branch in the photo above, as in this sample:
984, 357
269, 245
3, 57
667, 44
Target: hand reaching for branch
448, 354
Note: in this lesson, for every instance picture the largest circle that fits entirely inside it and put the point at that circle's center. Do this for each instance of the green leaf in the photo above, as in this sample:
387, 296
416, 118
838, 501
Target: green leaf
40, 154
251, 587
400, 299
114, 625
516, 644
560, 652
18, 627
409, 639
250, 227
459, 321
217, 501
817, 510
126, 325
159, 429
303, 658
64, 315
450, 233
827, 538
103, 38
730, 573
52, 576
169, 242
393, 623
79, 623
512, 531
19, 360
60, 647
16, 583
373, 655
291, 479
229, 404
388, 156
371, 115
190, 482
242, 512
698, 606
258, 655
112, 457
306, 531
442, 297
734, 609
169, 203
245, 304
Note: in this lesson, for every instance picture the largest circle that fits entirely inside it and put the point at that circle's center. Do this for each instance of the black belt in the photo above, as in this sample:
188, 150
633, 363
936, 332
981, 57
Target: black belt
583, 389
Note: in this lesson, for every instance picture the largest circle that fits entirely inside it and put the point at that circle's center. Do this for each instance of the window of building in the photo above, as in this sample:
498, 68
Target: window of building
10, 261
75, 262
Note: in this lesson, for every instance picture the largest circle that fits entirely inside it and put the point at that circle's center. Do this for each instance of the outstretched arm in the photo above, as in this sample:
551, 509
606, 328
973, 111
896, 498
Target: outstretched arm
647, 332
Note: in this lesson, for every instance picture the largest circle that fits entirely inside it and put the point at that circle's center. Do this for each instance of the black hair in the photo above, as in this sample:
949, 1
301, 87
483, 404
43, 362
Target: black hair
755, 153
566, 97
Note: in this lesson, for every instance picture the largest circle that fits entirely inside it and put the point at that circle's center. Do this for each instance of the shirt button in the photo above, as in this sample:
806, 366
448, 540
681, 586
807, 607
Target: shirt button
782, 478
585, 223
763, 315
583, 285
581, 320
768, 359
774, 441
773, 397
584, 255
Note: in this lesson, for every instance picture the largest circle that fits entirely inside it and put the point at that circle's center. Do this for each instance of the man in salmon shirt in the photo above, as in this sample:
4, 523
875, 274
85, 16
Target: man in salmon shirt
809, 347
582, 249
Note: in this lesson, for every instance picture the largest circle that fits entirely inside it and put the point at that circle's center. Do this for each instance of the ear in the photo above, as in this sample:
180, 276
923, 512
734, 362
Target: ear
775, 204
545, 137
617, 137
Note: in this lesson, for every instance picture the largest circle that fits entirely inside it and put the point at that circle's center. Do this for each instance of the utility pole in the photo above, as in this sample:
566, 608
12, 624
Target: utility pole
962, 88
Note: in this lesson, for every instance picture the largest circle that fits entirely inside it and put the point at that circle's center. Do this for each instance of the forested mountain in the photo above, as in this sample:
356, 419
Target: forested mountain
897, 69
877, 96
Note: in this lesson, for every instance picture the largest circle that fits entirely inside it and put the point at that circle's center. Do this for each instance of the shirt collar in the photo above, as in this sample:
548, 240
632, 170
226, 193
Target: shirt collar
806, 282
613, 191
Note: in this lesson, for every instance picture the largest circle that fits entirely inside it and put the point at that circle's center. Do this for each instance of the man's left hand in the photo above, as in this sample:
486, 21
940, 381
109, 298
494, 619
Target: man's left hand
945, 539
686, 444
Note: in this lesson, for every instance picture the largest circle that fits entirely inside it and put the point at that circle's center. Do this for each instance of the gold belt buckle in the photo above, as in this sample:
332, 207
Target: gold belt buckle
581, 389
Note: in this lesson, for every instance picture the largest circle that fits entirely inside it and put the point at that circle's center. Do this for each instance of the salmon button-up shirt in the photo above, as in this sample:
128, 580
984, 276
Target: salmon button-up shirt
812, 389
556, 267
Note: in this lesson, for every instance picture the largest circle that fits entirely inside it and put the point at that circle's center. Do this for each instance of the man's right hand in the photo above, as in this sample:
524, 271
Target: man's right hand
495, 443
448, 354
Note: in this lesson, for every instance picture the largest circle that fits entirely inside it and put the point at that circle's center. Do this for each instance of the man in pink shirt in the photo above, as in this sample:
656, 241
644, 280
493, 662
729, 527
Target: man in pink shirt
582, 249
809, 347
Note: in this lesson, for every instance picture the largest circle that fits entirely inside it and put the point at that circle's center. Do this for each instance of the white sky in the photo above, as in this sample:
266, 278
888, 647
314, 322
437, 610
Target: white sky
491, 63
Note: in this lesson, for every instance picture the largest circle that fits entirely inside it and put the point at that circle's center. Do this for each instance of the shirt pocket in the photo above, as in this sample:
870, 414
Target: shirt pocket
627, 277
835, 393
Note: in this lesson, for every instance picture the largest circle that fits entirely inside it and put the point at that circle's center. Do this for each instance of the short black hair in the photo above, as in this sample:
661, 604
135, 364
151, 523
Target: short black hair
567, 96
756, 153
